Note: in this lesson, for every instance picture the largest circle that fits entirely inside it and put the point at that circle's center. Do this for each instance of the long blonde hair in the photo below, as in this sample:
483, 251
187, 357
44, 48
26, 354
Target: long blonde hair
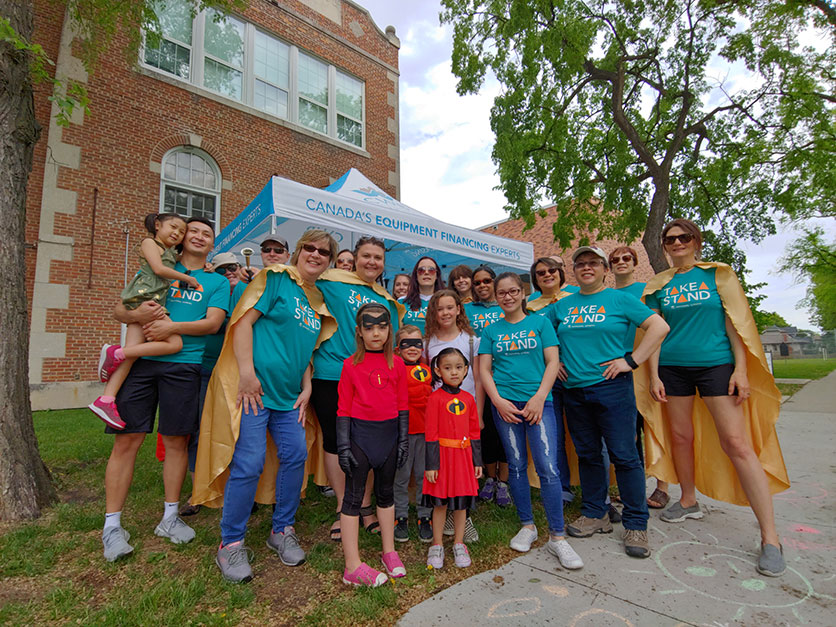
360, 349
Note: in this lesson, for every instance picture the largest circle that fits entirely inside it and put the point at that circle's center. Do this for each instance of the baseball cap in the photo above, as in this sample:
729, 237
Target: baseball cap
595, 251
222, 259
272, 237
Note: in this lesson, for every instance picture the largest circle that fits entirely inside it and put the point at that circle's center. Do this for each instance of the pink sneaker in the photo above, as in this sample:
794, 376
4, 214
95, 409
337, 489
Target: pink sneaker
108, 362
365, 575
107, 412
393, 564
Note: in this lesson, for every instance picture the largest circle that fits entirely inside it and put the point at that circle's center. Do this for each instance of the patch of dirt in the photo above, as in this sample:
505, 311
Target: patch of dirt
21, 590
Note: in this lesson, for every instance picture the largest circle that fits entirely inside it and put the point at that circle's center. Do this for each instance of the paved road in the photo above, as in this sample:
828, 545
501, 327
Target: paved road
701, 572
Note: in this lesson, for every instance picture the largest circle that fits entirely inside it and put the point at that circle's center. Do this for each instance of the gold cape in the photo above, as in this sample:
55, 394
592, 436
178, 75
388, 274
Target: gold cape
221, 419
713, 471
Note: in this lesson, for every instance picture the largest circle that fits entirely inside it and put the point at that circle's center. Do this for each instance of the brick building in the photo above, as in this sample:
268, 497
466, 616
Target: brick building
305, 89
541, 236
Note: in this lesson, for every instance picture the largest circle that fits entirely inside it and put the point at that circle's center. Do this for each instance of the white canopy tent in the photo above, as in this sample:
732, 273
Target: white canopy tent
352, 207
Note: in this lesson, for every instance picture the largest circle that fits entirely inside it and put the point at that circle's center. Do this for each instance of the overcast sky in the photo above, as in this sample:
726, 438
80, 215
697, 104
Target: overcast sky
446, 141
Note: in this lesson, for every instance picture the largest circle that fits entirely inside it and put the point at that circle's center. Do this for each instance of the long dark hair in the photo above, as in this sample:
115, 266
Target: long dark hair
413, 295
450, 350
360, 350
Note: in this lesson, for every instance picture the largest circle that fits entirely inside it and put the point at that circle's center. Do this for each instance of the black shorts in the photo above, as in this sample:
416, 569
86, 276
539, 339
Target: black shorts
324, 400
686, 380
174, 387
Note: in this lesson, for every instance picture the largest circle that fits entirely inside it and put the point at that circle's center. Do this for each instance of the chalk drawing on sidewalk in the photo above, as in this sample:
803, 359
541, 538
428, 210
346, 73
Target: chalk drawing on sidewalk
585, 618
803, 493
510, 608
529, 606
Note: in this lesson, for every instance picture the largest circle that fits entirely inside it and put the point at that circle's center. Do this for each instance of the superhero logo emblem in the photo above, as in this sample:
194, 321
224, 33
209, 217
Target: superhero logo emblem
456, 407
378, 379
420, 373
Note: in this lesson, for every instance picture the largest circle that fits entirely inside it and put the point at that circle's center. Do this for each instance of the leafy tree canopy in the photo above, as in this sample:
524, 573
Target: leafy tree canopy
813, 260
628, 113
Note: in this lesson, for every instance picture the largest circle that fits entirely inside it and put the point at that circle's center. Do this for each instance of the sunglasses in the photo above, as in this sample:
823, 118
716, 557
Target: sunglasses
279, 250
546, 271
310, 248
624, 258
682, 237
411, 343
230, 267
482, 282
426, 270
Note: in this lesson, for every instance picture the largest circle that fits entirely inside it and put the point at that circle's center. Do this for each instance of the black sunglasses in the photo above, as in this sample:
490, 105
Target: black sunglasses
683, 237
483, 282
279, 250
546, 271
325, 252
229, 267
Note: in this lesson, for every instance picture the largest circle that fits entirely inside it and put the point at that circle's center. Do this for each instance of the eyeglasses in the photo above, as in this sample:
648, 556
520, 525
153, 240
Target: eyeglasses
513, 293
279, 250
624, 258
682, 237
592, 263
310, 248
426, 270
230, 267
546, 271
482, 282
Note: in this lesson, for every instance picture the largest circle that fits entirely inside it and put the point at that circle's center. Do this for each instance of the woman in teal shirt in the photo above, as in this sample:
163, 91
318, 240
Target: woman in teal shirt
424, 281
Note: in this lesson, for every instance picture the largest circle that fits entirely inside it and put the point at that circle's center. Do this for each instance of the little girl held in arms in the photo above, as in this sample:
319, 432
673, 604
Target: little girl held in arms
454, 455
372, 434
158, 255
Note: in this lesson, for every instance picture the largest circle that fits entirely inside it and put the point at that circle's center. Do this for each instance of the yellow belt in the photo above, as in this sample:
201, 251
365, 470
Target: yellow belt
451, 443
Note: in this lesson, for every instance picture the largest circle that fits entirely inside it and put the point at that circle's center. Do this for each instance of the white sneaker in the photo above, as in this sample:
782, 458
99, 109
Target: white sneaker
565, 554
523, 540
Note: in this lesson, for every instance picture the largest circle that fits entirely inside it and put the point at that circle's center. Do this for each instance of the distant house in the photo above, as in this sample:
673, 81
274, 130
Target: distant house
784, 341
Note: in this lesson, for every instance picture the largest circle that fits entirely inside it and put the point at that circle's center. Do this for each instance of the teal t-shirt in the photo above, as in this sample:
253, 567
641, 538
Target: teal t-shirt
417, 317
482, 315
634, 289
215, 342
188, 305
591, 329
572, 289
283, 340
517, 351
690, 304
549, 312
343, 300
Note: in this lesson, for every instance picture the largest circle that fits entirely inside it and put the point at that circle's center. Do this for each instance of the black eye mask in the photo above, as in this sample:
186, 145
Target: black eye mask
369, 320
411, 343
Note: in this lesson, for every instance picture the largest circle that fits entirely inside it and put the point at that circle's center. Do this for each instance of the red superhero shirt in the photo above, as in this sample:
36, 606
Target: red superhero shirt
452, 417
418, 379
371, 390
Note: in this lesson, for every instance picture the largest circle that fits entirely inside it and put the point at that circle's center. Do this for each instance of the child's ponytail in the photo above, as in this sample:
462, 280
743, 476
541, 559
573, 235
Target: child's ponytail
151, 220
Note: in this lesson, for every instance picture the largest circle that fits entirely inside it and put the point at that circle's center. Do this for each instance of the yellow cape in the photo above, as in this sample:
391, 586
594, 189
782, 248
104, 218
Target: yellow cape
714, 473
221, 419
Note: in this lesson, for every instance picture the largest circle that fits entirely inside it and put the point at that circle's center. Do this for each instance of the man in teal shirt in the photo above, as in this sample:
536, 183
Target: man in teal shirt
170, 381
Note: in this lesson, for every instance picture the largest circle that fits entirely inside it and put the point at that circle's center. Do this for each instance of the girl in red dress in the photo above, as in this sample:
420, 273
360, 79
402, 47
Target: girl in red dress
453, 454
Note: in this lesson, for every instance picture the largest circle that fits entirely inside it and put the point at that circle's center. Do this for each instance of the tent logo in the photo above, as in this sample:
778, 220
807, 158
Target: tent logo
375, 197
456, 407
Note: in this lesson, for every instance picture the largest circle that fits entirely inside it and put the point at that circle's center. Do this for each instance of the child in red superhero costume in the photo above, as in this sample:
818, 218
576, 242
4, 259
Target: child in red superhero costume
372, 434
454, 455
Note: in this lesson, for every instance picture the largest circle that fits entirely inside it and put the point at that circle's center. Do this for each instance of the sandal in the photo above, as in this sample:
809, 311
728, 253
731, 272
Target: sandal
658, 500
373, 527
335, 533
189, 510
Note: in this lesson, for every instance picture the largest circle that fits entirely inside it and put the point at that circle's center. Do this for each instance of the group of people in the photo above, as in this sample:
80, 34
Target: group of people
437, 385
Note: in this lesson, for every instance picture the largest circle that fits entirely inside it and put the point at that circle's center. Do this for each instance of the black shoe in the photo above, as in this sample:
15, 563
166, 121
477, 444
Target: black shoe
425, 530
615, 515
402, 530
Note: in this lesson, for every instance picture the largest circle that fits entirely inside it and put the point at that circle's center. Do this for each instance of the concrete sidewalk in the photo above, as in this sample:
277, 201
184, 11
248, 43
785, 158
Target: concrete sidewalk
702, 572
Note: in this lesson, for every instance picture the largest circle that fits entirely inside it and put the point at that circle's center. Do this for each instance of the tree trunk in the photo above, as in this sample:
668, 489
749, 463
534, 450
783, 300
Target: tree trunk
652, 238
25, 482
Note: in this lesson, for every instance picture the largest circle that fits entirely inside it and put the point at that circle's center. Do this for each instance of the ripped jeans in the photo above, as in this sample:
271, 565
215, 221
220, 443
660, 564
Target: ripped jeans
542, 441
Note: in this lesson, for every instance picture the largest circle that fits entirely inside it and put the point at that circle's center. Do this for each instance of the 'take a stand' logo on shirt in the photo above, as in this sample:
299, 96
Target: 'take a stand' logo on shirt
685, 295
588, 315
307, 317
456, 407
516, 341
357, 300
486, 319
191, 294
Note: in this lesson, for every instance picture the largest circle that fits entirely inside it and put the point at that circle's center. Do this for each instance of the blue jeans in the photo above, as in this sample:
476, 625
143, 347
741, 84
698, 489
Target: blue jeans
560, 441
541, 440
248, 462
607, 410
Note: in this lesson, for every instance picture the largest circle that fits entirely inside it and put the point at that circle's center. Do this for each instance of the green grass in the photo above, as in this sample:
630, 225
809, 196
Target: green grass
52, 570
788, 389
802, 368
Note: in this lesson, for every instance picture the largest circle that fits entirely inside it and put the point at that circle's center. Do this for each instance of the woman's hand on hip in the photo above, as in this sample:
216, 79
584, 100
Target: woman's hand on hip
616, 367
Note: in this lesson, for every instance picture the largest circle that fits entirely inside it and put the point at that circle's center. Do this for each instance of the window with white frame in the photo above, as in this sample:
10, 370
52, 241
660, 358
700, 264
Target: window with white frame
236, 59
190, 184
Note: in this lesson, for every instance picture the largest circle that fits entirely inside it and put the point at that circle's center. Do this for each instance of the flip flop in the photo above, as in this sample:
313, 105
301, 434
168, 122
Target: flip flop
373, 527
658, 500
336, 533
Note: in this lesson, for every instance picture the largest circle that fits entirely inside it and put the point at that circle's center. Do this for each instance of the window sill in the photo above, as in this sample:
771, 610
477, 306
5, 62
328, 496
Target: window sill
240, 106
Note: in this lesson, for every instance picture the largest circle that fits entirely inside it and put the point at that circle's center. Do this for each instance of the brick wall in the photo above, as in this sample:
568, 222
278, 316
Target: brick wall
135, 117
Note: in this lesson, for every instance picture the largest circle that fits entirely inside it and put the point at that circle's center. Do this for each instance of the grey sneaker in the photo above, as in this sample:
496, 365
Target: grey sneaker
523, 540
565, 554
286, 546
175, 530
635, 543
115, 541
584, 527
676, 513
771, 560
234, 561
435, 556
470, 533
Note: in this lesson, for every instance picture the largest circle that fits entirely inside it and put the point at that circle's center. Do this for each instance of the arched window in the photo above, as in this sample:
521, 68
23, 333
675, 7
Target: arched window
190, 184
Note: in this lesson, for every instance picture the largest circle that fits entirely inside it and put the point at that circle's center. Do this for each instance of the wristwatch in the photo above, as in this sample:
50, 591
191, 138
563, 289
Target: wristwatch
628, 357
